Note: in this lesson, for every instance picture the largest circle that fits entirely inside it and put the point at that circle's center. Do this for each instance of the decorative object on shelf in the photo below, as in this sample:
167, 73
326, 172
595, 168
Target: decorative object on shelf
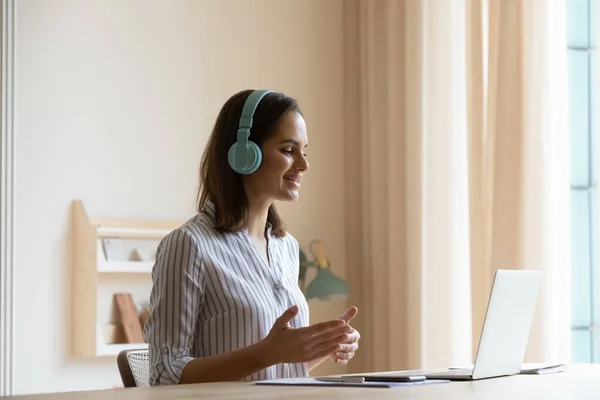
325, 285
130, 318
143, 255
113, 249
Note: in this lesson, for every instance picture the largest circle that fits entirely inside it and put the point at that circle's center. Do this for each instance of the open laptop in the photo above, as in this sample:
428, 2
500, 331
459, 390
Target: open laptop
505, 332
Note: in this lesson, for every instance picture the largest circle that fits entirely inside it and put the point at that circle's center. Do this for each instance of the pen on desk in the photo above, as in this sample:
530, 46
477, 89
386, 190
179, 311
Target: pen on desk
345, 379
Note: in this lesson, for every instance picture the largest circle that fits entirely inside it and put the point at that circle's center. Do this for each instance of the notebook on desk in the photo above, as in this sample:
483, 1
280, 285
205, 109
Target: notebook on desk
505, 332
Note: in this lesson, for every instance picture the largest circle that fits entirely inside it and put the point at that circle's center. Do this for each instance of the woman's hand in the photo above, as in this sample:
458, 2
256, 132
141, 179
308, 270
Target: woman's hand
350, 346
285, 344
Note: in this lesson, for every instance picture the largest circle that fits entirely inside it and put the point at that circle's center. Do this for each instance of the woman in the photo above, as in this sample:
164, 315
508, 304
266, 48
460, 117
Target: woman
225, 302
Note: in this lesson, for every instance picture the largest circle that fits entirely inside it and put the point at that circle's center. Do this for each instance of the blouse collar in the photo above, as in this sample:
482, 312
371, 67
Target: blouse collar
209, 209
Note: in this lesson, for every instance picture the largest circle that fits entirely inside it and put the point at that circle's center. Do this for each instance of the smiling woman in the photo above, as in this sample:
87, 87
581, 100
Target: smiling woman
283, 165
225, 301
279, 132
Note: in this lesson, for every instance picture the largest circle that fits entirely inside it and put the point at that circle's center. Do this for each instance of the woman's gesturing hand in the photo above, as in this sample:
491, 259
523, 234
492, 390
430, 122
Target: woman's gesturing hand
297, 345
350, 346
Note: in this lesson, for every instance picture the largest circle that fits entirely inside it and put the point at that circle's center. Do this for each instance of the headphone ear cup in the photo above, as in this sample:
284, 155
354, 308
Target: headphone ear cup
244, 159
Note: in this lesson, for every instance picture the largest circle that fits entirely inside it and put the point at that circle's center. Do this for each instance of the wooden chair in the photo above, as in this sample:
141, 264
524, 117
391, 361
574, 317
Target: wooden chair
134, 367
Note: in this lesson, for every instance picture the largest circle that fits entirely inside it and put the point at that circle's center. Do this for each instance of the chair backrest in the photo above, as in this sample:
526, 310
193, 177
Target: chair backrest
134, 367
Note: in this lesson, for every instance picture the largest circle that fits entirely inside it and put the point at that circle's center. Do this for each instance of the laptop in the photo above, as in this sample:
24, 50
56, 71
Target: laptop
505, 332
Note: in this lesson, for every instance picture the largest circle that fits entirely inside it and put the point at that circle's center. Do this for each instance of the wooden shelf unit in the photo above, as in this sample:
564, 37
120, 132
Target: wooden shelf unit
88, 264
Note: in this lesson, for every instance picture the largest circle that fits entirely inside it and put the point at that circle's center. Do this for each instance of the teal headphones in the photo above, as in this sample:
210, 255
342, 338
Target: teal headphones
244, 155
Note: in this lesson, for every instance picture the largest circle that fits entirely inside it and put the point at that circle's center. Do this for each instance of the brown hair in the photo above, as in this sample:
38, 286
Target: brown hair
219, 183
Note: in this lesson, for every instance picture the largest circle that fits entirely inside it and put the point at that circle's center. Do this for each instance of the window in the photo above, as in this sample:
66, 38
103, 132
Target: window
581, 42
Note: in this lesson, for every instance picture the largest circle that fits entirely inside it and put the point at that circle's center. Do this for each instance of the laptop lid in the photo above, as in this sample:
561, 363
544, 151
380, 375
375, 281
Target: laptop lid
508, 320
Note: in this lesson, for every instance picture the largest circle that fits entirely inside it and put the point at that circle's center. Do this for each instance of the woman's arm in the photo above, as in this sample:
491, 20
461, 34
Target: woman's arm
176, 299
233, 366
282, 344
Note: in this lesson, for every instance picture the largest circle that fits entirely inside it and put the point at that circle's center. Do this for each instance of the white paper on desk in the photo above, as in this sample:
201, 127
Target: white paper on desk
369, 384
541, 369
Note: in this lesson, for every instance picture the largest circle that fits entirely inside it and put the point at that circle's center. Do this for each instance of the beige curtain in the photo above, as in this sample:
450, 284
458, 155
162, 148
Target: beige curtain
456, 166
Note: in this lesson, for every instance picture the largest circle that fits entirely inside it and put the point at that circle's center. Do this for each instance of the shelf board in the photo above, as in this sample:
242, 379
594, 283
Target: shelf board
125, 267
106, 232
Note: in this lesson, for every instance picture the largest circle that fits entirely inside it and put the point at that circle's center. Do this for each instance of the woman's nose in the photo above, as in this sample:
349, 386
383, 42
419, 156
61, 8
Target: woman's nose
303, 164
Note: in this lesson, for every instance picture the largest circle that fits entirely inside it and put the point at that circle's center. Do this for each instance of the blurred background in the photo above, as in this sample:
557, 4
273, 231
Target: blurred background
448, 139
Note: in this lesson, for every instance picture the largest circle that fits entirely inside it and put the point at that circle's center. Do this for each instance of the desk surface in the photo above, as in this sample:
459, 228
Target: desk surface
581, 381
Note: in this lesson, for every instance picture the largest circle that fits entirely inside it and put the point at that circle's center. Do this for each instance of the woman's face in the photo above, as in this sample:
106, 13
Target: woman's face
283, 163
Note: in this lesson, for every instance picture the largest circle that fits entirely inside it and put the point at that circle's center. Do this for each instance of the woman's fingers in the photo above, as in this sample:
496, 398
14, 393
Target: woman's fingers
326, 339
344, 355
325, 352
348, 347
334, 343
342, 362
353, 336
322, 328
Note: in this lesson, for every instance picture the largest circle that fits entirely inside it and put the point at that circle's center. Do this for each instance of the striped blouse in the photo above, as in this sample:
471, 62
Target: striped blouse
213, 293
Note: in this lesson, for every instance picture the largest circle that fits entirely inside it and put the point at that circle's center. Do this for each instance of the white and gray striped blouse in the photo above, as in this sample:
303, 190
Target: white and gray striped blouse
213, 293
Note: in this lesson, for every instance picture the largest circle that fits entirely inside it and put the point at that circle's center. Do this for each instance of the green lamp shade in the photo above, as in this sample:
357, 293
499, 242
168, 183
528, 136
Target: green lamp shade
326, 286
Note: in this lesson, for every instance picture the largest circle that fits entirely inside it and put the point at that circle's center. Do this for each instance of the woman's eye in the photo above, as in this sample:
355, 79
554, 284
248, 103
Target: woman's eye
289, 151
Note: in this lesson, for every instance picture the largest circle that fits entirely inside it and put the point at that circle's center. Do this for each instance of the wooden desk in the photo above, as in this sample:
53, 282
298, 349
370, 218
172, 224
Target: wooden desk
580, 382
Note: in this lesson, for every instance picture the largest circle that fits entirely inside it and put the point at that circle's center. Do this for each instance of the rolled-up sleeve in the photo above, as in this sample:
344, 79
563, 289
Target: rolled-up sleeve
175, 301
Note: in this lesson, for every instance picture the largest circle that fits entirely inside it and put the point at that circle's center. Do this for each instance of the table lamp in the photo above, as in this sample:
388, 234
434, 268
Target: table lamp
325, 285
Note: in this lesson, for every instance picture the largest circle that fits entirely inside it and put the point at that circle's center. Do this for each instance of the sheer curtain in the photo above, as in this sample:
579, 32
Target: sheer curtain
457, 165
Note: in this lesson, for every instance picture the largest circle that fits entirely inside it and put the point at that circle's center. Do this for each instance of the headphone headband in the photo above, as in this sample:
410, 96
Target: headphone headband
247, 117
244, 155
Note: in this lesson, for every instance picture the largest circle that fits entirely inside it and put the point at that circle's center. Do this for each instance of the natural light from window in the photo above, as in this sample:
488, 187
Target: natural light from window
581, 41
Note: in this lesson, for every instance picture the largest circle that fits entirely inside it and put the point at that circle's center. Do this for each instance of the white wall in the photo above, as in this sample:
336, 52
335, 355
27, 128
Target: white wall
115, 100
